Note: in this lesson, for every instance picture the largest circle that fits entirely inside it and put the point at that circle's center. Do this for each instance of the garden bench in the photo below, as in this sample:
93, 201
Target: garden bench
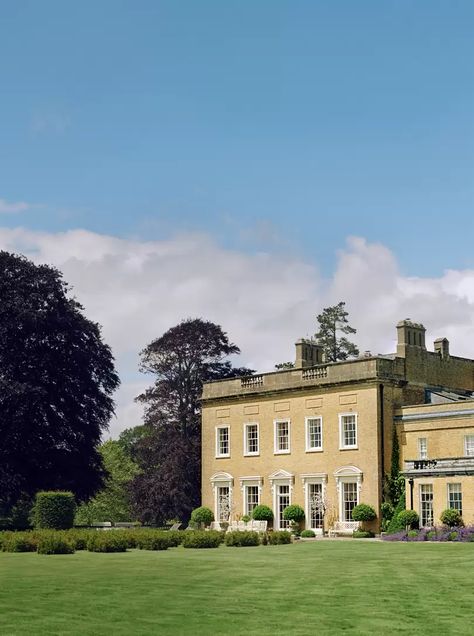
343, 527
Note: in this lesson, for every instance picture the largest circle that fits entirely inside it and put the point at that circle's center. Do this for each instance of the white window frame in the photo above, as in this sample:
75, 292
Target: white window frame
420, 494
313, 449
308, 480
222, 480
280, 478
276, 451
422, 452
347, 474
343, 446
449, 492
469, 445
248, 453
220, 427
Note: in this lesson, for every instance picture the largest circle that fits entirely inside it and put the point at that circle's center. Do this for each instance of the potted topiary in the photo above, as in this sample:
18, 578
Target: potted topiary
364, 514
295, 515
202, 517
263, 513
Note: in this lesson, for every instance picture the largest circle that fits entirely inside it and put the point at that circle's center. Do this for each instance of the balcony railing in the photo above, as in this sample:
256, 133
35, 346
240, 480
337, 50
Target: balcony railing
251, 381
314, 373
440, 466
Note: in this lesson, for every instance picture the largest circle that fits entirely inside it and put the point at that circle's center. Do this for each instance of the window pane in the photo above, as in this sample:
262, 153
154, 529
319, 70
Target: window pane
349, 434
223, 441
349, 490
252, 498
422, 448
252, 438
316, 505
283, 502
314, 433
455, 497
223, 503
283, 436
469, 443
426, 504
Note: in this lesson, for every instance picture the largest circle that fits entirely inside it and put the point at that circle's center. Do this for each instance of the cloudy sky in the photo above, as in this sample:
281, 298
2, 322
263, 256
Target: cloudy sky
247, 162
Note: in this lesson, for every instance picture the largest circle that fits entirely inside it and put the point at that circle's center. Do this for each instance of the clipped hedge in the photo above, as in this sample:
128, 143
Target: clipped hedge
107, 541
54, 510
279, 537
362, 534
242, 538
20, 542
308, 534
202, 539
54, 543
153, 541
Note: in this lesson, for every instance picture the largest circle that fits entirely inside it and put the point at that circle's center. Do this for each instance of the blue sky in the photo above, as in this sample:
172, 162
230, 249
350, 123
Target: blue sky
269, 125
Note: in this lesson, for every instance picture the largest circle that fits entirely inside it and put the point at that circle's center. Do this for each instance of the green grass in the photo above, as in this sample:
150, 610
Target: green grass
340, 587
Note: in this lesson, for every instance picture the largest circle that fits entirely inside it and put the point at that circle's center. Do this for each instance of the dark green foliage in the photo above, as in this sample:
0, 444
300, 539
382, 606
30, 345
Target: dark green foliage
279, 537
332, 321
169, 453
202, 539
293, 513
452, 536
394, 483
56, 386
262, 513
20, 542
107, 541
54, 509
54, 543
308, 534
362, 534
451, 517
394, 525
202, 516
363, 512
412, 534
408, 518
149, 540
245, 518
242, 539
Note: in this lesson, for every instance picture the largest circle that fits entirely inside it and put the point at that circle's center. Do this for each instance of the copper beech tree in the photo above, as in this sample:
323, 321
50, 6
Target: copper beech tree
169, 454
57, 378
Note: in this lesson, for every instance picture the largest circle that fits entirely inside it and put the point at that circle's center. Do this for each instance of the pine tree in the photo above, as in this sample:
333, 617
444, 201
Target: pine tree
332, 321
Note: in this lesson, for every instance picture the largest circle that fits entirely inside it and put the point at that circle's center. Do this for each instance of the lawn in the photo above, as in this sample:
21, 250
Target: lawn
325, 587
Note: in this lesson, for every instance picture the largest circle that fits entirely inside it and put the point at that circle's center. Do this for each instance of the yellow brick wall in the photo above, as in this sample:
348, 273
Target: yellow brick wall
328, 404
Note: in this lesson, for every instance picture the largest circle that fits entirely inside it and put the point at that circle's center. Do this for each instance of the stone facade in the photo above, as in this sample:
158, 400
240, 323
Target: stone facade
320, 434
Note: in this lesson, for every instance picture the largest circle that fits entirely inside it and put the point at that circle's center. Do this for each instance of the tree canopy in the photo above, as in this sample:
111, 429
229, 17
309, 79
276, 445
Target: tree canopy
332, 322
169, 454
57, 378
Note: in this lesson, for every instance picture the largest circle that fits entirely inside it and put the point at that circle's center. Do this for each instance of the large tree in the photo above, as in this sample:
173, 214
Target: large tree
56, 383
333, 322
169, 454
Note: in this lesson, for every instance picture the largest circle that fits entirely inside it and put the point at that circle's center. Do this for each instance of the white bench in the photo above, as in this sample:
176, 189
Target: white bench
253, 525
343, 527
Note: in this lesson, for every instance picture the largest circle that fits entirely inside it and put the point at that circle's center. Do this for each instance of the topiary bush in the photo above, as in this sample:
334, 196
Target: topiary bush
293, 513
308, 534
362, 534
363, 512
54, 543
279, 537
262, 513
54, 510
202, 539
408, 518
152, 541
202, 516
451, 518
242, 539
106, 541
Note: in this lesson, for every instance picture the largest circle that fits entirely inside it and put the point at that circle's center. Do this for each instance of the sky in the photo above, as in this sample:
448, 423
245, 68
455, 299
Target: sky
246, 162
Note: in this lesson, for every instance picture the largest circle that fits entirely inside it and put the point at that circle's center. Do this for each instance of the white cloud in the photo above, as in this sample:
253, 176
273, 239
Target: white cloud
14, 207
138, 289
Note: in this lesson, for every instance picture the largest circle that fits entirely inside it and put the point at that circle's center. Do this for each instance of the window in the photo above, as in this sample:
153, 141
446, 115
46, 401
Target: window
349, 499
469, 445
252, 498
251, 439
426, 505
422, 448
283, 501
222, 441
348, 431
316, 505
455, 497
282, 436
314, 434
223, 503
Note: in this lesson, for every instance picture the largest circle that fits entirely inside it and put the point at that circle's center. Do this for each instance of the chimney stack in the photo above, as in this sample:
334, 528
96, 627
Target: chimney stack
441, 347
410, 334
308, 354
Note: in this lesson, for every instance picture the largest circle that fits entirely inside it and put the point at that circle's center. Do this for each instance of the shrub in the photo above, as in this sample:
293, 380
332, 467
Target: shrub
79, 538
54, 509
106, 541
293, 513
452, 536
279, 537
242, 539
152, 541
408, 518
412, 534
54, 543
363, 512
431, 535
20, 542
201, 539
202, 516
175, 538
387, 514
362, 534
246, 518
262, 513
451, 518
394, 525
308, 534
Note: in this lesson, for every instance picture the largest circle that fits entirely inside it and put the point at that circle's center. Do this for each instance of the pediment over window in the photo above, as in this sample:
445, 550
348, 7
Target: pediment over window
348, 471
221, 477
280, 474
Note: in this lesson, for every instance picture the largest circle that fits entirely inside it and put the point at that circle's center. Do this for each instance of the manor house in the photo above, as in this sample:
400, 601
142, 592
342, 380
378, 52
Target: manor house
320, 434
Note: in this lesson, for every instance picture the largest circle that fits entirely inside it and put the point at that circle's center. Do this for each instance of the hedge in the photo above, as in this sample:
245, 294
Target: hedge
54, 510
